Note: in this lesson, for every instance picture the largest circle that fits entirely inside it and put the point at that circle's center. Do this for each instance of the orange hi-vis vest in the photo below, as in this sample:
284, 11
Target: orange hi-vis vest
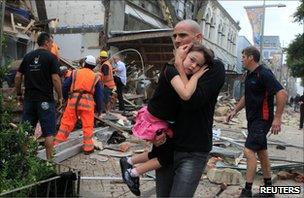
108, 80
82, 89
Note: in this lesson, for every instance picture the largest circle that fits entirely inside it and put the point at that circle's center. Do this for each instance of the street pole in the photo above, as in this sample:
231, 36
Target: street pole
1, 30
262, 34
281, 66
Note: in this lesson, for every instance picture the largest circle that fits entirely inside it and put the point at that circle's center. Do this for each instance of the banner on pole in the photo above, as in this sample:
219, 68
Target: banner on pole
255, 16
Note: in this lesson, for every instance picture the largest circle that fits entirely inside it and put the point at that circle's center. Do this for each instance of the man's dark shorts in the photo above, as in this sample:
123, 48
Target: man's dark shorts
257, 132
44, 112
107, 93
164, 153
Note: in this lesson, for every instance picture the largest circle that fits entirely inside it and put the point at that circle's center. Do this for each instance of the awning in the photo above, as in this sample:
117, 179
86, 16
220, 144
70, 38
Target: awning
155, 46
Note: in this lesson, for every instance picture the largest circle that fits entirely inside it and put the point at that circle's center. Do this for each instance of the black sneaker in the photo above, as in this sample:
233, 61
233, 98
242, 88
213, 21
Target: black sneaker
246, 193
124, 166
132, 182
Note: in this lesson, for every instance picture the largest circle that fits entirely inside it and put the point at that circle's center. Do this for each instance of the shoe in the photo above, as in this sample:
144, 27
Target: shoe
88, 152
132, 182
246, 193
124, 166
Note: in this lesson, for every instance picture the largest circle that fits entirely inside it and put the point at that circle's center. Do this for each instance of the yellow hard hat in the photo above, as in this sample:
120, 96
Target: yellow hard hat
104, 54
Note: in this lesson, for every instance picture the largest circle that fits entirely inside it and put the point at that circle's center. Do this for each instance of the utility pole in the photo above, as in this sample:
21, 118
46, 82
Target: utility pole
1, 30
262, 34
281, 66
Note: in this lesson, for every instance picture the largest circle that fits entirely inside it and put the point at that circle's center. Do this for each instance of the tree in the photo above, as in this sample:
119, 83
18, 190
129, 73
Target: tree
295, 55
299, 14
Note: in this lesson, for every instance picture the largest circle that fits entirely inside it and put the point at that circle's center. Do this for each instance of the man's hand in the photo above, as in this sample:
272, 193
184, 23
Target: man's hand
60, 102
159, 139
276, 125
230, 115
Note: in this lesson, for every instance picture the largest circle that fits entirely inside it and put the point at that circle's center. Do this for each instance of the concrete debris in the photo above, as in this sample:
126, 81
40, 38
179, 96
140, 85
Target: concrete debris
113, 153
123, 147
295, 175
69, 148
228, 176
284, 175
212, 163
221, 111
97, 144
99, 158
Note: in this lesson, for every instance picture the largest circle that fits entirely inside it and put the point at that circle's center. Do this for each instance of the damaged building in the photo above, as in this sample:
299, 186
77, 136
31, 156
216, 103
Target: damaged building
20, 26
85, 27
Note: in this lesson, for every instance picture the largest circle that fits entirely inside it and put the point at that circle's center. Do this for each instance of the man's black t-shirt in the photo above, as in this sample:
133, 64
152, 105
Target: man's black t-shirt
164, 103
193, 125
260, 88
37, 68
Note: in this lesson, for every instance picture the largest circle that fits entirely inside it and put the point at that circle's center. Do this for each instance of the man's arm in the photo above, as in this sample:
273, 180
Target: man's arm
18, 81
240, 105
57, 85
281, 98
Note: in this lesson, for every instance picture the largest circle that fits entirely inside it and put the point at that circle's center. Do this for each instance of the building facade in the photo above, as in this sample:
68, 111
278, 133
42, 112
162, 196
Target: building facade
79, 27
220, 33
238, 84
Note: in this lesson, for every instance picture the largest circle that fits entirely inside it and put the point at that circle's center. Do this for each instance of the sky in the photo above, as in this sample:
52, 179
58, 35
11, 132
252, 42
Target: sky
278, 21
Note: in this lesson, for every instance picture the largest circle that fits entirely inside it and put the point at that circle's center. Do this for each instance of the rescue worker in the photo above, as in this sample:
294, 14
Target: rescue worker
65, 72
120, 79
106, 70
85, 88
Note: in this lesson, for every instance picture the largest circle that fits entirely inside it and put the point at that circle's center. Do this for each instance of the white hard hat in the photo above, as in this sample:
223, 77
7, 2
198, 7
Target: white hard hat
91, 60
63, 68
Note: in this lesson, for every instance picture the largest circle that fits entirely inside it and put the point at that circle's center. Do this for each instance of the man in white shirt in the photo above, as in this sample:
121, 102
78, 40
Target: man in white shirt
120, 79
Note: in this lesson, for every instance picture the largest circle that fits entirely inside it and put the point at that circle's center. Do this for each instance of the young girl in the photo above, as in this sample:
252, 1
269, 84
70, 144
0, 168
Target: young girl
162, 109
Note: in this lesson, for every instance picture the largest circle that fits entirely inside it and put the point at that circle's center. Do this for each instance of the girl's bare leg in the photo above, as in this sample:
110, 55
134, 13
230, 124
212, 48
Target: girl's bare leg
140, 158
149, 165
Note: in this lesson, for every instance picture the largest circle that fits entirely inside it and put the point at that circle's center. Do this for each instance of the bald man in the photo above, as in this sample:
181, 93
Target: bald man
192, 128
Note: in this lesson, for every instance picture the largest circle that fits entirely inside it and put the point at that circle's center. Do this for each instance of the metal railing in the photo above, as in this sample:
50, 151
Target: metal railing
64, 184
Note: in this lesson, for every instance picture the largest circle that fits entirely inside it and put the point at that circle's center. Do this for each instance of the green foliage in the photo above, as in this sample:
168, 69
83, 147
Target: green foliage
295, 55
19, 165
299, 14
4, 68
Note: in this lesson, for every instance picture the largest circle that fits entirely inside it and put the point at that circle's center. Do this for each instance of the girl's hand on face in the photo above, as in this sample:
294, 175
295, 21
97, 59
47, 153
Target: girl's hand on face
201, 71
181, 53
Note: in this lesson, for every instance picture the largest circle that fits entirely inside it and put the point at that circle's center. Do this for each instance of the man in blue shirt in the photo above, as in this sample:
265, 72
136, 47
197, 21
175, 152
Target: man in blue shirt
260, 88
120, 79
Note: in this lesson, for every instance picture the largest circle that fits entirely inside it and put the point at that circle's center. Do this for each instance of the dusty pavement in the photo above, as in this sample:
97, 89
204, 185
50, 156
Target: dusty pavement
115, 188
